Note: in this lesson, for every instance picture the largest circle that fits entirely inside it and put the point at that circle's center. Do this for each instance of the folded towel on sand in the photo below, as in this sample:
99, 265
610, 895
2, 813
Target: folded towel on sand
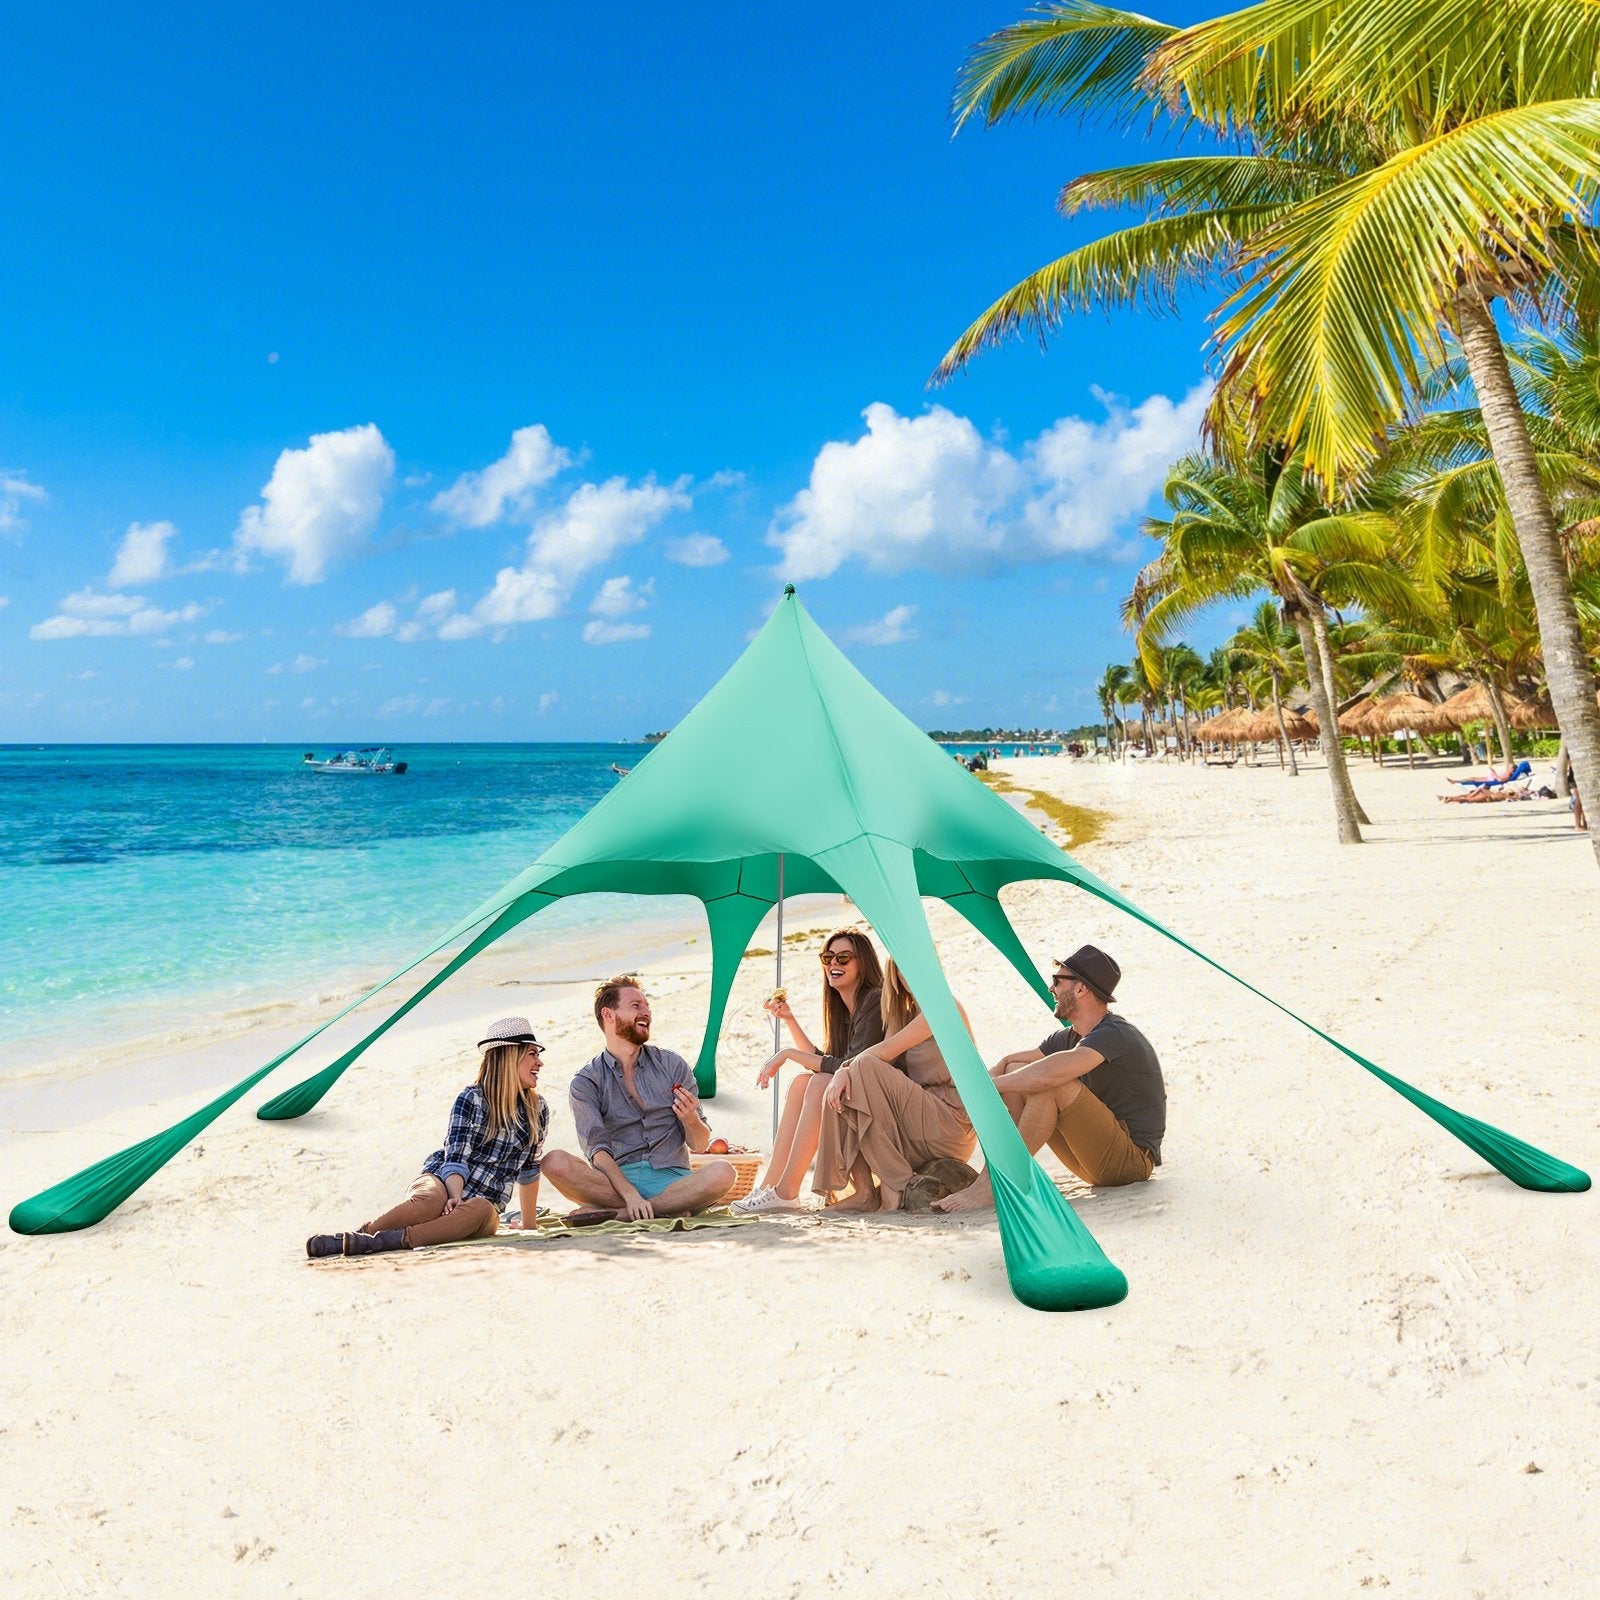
555, 1227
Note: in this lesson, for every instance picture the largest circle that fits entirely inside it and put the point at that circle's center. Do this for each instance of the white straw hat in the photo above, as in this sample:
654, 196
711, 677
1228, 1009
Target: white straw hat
508, 1030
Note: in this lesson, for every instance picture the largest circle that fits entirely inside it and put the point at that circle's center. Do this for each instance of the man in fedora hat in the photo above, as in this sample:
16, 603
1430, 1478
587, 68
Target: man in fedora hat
1092, 1091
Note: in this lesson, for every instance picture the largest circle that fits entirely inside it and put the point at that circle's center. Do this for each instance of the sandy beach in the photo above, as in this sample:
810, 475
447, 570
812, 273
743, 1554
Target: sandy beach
1353, 1357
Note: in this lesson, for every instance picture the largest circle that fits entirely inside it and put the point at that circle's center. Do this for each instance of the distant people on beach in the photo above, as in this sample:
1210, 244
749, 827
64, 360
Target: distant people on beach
891, 1109
852, 1021
637, 1114
1093, 1091
497, 1130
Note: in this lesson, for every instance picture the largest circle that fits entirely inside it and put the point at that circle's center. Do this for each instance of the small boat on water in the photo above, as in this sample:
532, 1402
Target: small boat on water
370, 761
621, 772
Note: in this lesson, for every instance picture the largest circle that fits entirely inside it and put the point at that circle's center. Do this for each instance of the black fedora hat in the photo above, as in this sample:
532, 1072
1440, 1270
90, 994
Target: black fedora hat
1096, 968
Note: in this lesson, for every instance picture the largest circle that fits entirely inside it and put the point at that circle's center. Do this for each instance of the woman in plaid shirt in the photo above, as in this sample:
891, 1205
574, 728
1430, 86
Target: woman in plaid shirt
497, 1130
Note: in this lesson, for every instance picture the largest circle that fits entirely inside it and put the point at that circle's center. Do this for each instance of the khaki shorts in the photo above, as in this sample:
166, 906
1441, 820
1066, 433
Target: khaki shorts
1097, 1146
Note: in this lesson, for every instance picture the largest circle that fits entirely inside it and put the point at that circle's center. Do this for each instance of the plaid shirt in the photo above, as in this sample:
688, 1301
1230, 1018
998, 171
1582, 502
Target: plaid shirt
488, 1163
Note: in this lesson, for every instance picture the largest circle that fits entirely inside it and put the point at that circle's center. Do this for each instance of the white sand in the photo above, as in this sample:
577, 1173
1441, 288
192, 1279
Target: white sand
1346, 1338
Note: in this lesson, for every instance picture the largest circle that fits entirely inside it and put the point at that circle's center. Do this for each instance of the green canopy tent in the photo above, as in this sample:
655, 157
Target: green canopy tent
794, 763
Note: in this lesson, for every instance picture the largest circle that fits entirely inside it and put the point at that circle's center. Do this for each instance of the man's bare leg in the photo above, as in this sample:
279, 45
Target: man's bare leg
577, 1180
1036, 1116
864, 1196
703, 1187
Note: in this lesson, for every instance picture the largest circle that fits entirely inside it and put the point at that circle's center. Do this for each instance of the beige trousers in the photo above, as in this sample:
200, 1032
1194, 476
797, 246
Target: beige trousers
895, 1124
421, 1214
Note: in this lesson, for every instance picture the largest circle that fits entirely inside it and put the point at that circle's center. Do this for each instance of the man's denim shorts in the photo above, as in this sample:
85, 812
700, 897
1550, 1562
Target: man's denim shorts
650, 1181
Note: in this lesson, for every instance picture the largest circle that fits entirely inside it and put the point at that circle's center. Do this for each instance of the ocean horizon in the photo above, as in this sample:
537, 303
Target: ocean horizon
150, 887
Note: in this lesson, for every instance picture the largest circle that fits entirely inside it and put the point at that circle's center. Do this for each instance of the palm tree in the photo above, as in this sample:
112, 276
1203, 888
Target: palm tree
1269, 644
1111, 680
1398, 166
1253, 523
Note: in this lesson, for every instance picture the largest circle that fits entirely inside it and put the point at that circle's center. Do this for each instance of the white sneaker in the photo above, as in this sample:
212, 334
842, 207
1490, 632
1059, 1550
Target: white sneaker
759, 1200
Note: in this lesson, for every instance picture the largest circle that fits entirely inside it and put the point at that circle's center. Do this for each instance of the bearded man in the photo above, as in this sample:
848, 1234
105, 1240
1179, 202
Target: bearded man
637, 1115
1093, 1091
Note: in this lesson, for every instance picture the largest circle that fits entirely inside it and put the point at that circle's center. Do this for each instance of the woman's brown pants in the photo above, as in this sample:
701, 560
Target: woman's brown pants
421, 1214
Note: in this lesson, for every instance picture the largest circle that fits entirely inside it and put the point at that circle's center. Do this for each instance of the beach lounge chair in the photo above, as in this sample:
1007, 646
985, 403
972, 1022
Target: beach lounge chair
1523, 769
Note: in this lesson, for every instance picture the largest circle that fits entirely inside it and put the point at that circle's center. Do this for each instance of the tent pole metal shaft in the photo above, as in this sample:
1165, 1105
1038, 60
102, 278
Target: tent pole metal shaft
777, 1077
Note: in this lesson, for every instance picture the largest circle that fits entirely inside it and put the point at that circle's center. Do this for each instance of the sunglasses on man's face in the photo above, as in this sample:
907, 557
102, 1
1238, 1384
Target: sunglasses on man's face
838, 958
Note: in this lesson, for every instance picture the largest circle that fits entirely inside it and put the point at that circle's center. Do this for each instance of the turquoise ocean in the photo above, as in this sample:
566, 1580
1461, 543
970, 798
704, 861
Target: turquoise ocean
144, 885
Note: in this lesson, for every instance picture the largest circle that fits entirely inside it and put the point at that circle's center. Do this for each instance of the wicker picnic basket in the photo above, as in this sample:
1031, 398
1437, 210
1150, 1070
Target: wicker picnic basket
747, 1166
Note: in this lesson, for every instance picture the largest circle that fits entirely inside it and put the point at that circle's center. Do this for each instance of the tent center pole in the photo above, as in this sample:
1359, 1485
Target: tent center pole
777, 982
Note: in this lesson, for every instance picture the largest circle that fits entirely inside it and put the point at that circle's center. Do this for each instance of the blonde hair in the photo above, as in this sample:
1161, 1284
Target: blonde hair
503, 1094
897, 1003
835, 1014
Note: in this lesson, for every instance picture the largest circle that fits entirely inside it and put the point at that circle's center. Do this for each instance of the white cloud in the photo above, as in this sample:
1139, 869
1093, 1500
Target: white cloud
15, 490
930, 492
598, 632
301, 663
84, 676
617, 597
219, 636
505, 487
376, 622
697, 550
943, 697
5, 600
437, 605
142, 555
321, 503
890, 629
86, 613
183, 664
546, 700
597, 520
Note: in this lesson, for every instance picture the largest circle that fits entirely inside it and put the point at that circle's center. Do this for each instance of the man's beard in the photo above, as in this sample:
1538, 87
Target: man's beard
634, 1032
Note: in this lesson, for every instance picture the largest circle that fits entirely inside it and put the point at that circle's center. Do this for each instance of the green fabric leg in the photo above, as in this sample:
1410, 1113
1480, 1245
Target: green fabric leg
304, 1095
1052, 1259
988, 916
732, 919
90, 1196
1523, 1163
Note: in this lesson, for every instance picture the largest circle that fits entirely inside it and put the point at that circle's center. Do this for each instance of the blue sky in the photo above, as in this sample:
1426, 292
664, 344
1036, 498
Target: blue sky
403, 372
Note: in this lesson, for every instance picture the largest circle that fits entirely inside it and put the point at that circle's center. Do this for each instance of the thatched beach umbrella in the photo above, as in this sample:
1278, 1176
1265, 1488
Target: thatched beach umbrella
1356, 719
1530, 714
1471, 704
1403, 713
1223, 729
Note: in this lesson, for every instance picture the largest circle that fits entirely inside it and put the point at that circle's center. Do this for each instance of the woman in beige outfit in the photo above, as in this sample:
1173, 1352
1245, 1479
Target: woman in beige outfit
890, 1109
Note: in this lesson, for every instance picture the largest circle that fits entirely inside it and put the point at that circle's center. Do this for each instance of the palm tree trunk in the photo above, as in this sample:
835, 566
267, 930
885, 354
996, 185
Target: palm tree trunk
1502, 723
1283, 732
1567, 669
1319, 631
1344, 797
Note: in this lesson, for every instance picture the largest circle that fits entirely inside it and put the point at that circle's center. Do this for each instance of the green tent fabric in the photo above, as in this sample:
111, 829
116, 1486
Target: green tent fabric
793, 757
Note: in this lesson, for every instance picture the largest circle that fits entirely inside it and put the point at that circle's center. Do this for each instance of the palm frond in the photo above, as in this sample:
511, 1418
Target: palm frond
1184, 184
1148, 263
1349, 293
1068, 57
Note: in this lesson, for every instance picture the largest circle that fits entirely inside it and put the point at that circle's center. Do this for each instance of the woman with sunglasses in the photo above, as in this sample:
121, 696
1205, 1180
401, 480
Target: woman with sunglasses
852, 1021
497, 1131
891, 1109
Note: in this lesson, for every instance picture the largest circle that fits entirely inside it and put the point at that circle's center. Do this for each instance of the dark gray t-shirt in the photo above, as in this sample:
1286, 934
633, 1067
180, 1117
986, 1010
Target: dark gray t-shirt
1128, 1080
